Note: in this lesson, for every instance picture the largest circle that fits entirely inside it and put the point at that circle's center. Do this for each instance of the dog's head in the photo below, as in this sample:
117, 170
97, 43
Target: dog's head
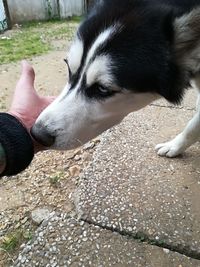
122, 59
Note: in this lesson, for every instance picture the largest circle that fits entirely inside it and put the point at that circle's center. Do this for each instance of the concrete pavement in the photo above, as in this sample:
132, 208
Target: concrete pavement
130, 189
63, 241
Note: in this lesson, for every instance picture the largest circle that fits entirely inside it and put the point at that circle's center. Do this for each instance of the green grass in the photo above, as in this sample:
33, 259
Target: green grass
49, 23
35, 38
13, 240
22, 45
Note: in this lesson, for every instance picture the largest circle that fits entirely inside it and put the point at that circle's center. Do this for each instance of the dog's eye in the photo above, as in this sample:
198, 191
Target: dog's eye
103, 90
99, 91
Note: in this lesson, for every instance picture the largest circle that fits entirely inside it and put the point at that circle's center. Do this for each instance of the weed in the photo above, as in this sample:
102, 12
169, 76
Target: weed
11, 241
14, 239
141, 236
54, 180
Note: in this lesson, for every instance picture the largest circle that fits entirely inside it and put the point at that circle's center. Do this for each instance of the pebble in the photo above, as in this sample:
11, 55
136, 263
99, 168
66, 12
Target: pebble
166, 250
77, 157
17, 225
39, 215
89, 145
74, 170
24, 220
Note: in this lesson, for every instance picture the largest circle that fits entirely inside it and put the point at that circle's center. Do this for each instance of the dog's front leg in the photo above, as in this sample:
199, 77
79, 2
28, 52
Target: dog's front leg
189, 136
181, 142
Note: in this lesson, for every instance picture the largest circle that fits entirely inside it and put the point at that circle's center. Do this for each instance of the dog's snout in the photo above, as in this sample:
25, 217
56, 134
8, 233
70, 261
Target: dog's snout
42, 136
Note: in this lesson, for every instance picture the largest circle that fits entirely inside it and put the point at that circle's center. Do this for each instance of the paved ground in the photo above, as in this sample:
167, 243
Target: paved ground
66, 242
134, 208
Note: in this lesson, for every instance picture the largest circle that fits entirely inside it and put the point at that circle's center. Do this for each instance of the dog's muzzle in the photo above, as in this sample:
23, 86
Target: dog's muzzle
42, 136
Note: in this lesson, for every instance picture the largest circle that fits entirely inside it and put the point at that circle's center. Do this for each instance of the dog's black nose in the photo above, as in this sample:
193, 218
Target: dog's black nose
42, 136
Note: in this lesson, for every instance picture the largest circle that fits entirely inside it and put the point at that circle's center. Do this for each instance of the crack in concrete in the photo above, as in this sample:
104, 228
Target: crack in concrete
143, 238
172, 107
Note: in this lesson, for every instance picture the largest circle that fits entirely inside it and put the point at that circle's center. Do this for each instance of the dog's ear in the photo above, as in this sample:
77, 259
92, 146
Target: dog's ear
187, 38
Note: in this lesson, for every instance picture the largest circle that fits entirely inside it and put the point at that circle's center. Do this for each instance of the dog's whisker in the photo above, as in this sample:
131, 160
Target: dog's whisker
79, 141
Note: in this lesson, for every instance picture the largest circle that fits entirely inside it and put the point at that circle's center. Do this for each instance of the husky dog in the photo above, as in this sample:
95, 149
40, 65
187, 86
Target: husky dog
125, 55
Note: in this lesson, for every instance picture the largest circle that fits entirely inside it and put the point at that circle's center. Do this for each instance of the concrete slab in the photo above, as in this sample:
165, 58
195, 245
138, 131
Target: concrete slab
63, 241
128, 188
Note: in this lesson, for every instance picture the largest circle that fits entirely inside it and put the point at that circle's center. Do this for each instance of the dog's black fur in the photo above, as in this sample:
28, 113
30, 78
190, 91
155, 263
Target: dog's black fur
143, 51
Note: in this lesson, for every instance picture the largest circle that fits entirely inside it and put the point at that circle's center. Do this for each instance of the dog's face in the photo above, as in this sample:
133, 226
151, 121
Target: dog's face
93, 100
117, 64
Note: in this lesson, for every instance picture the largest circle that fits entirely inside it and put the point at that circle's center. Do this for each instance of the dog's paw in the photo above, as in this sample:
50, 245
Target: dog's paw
170, 149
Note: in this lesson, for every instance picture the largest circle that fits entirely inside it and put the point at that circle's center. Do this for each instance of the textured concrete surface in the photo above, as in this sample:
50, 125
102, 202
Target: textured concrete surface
130, 189
63, 241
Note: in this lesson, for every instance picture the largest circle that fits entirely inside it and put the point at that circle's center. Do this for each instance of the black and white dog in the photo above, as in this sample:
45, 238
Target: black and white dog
126, 54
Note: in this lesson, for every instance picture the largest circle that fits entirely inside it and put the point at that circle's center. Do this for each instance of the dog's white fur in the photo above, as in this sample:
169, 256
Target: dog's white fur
75, 55
96, 71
